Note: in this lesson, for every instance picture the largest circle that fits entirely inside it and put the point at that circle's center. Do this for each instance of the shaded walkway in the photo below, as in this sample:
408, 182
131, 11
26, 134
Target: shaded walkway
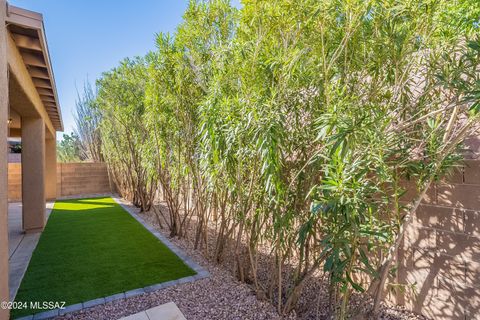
20, 246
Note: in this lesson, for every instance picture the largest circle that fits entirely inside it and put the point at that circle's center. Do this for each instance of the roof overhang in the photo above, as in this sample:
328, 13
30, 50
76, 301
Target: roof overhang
27, 30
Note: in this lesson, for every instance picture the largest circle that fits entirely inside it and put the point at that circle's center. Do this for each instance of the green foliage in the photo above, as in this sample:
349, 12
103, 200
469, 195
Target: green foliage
120, 102
15, 147
294, 125
69, 149
87, 120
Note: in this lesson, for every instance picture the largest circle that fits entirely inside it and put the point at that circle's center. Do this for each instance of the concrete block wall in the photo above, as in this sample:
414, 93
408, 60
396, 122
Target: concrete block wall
440, 258
82, 178
14, 181
72, 179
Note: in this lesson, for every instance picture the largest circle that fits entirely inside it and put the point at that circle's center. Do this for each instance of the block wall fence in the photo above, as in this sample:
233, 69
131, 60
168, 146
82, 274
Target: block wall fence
440, 256
72, 179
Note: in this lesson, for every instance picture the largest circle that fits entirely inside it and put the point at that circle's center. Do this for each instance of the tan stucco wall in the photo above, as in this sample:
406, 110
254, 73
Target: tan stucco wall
3, 163
33, 174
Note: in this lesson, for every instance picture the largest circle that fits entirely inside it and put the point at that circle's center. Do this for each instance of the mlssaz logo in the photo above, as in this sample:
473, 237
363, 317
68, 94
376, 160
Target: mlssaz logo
47, 305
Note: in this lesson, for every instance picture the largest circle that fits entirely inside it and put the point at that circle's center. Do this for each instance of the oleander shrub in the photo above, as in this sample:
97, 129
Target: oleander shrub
292, 125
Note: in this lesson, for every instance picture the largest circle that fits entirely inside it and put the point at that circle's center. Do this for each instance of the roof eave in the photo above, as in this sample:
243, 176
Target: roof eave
34, 20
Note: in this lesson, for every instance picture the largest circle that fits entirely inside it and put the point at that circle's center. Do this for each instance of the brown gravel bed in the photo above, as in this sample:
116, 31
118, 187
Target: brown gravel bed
221, 296
218, 297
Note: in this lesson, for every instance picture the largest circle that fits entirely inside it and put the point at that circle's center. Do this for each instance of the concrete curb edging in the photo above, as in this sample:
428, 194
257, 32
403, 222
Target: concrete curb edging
201, 274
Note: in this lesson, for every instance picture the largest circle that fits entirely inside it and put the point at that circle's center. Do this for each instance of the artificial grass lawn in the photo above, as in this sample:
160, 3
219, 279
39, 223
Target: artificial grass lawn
92, 248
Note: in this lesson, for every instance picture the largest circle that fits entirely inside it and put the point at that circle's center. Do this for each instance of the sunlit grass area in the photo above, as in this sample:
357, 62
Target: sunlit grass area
93, 248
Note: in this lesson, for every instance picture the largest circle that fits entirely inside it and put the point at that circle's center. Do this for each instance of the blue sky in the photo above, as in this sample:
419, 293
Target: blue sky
87, 37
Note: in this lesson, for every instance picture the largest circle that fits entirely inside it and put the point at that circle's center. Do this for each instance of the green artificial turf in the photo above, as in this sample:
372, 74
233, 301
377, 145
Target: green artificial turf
92, 248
